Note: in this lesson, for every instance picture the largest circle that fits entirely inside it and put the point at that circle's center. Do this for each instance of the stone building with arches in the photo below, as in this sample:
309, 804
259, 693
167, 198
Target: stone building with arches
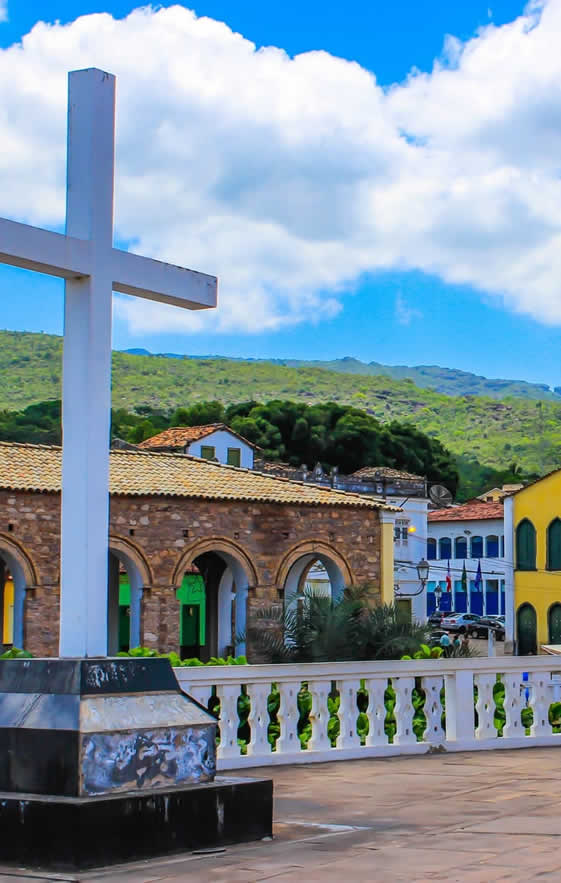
249, 539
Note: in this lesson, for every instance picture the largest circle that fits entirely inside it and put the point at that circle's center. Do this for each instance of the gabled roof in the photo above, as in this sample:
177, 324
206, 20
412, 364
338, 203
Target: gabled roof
180, 436
142, 473
474, 510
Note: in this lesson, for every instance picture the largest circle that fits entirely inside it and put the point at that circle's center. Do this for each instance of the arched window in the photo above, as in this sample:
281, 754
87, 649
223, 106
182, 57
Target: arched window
526, 630
431, 549
460, 547
554, 545
445, 548
526, 545
492, 547
477, 547
554, 623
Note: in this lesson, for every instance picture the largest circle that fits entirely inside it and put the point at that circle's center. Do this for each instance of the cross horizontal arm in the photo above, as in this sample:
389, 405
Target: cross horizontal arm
43, 251
156, 280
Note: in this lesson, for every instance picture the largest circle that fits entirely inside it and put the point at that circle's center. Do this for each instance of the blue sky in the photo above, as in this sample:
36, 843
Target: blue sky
398, 317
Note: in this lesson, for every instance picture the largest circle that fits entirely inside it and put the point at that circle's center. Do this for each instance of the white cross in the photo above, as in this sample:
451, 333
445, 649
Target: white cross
92, 269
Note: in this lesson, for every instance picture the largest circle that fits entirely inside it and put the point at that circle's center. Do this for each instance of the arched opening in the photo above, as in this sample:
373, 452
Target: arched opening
128, 574
431, 549
526, 545
460, 547
214, 580
476, 547
492, 543
554, 623
445, 548
554, 545
308, 558
526, 630
16, 576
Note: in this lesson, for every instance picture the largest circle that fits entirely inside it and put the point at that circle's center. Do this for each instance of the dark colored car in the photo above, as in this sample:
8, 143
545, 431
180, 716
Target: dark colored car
437, 616
480, 629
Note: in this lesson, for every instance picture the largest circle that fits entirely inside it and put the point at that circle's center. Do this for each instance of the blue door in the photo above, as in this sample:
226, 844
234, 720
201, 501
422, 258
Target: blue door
492, 603
477, 603
461, 602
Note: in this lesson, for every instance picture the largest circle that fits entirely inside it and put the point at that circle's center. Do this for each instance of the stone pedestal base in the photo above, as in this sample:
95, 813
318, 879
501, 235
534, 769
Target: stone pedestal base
75, 833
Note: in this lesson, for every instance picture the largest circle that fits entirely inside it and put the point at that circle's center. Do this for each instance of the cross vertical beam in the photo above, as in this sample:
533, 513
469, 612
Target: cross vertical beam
86, 410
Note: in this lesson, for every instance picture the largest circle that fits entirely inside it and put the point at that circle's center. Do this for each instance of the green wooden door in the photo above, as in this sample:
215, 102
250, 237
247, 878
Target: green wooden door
526, 630
554, 618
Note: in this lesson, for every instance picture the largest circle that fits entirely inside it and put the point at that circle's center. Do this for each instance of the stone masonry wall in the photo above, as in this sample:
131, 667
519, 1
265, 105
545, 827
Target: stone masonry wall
164, 535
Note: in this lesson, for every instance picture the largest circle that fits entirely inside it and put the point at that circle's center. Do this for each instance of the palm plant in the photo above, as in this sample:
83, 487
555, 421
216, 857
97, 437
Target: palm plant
315, 628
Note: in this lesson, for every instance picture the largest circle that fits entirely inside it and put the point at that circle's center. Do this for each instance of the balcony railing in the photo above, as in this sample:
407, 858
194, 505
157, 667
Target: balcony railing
280, 714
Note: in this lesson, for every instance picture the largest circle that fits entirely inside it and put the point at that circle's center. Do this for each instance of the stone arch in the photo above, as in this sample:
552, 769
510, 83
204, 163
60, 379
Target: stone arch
123, 551
229, 574
25, 576
306, 553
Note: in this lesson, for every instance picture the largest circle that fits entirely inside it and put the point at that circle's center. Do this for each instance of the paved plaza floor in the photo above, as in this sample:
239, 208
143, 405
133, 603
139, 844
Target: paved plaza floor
479, 816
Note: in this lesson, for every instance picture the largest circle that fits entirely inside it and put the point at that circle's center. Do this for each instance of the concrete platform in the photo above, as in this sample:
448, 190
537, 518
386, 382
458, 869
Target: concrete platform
478, 817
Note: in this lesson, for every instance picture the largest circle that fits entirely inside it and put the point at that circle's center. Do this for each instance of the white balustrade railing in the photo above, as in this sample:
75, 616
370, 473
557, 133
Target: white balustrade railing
275, 714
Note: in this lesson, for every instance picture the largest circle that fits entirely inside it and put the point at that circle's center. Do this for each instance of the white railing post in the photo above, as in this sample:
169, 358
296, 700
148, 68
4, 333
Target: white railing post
348, 713
229, 720
288, 716
258, 720
376, 712
540, 701
404, 711
485, 706
434, 734
319, 715
460, 711
513, 704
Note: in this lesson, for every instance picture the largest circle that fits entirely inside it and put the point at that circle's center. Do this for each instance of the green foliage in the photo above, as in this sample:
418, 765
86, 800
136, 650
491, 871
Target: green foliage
485, 436
176, 660
426, 652
312, 628
14, 653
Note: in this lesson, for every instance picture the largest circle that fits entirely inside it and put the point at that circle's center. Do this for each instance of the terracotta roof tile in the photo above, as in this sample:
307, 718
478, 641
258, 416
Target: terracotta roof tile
472, 511
143, 473
179, 436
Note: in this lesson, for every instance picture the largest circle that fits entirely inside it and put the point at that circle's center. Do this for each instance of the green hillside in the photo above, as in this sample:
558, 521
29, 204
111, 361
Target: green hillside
477, 428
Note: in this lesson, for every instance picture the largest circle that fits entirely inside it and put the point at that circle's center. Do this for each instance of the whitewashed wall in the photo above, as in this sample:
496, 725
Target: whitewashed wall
221, 440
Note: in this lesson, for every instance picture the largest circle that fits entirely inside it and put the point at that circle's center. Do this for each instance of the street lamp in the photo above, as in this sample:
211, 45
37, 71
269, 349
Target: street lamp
423, 568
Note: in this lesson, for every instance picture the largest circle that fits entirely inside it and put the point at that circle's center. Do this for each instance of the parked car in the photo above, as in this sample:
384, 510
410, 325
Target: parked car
481, 629
437, 616
459, 622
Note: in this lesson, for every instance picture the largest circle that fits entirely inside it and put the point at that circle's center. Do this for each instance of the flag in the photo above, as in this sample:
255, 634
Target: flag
478, 578
464, 579
448, 579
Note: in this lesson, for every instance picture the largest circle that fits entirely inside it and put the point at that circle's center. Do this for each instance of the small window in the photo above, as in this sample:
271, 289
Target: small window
461, 547
234, 457
404, 534
492, 547
477, 547
526, 546
445, 548
431, 549
208, 452
397, 534
554, 545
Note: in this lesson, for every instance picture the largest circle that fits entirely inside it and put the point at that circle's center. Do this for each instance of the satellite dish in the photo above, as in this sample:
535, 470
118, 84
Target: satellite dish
440, 496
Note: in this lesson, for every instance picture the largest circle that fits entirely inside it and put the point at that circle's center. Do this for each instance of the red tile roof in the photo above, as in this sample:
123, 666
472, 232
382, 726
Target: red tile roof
472, 511
179, 436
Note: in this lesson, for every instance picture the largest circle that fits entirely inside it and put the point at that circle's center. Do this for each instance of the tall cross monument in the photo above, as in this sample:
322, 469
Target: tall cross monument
92, 268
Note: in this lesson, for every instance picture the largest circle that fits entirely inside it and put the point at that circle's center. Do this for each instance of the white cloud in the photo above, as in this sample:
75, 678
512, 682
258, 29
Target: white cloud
292, 177
3, 10
404, 313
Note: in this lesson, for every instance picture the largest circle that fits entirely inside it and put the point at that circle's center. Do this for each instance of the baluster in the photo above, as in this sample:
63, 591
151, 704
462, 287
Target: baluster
288, 716
258, 719
540, 700
404, 711
348, 713
433, 710
485, 707
513, 704
376, 711
200, 694
229, 720
319, 715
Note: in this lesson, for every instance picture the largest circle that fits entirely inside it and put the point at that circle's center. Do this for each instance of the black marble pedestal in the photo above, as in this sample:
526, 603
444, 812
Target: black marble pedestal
74, 834
107, 760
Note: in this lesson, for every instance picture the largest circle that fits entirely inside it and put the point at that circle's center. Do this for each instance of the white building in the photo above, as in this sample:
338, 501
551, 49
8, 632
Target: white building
470, 534
214, 441
409, 492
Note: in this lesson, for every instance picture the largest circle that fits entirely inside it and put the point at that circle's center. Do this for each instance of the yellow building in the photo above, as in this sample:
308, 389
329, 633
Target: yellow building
536, 516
